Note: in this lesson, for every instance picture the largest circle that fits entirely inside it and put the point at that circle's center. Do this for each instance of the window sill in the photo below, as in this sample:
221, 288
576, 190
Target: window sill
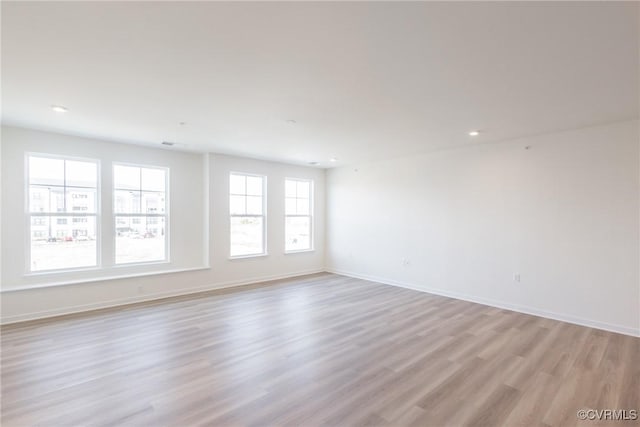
62, 272
301, 251
97, 279
241, 257
45, 273
141, 264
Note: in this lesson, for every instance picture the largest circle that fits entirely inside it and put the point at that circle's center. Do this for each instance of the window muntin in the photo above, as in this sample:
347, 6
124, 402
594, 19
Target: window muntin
63, 213
298, 214
246, 212
140, 214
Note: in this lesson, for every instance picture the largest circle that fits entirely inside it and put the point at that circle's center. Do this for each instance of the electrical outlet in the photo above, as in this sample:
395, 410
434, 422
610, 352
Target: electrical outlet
406, 262
516, 277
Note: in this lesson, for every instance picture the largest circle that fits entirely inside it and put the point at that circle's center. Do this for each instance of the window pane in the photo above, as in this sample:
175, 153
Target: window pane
246, 236
298, 233
40, 228
38, 199
46, 171
140, 239
81, 200
153, 179
254, 185
236, 205
237, 184
153, 203
81, 174
46, 199
290, 188
303, 189
126, 201
63, 242
302, 206
254, 205
123, 225
38, 220
290, 206
126, 177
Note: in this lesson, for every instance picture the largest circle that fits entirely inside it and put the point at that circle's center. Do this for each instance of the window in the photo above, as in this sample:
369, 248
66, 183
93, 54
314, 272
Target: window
54, 184
140, 213
247, 219
39, 221
298, 214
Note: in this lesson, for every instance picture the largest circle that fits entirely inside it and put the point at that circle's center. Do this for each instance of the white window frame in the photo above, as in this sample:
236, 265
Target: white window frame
310, 216
52, 215
263, 216
165, 215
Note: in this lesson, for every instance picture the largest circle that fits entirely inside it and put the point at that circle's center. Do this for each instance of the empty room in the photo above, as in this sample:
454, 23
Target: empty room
320, 213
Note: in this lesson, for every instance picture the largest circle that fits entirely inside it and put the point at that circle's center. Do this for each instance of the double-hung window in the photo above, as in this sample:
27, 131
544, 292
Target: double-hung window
246, 211
63, 213
298, 214
140, 214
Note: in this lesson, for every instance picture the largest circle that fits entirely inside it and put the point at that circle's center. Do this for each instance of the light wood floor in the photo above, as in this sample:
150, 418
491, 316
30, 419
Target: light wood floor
318, 350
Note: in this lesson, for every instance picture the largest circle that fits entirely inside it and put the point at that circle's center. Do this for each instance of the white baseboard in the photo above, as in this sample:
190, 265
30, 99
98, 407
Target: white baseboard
149, 297
635, 332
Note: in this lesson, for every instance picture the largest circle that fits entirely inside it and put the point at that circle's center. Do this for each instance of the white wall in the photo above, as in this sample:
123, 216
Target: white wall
199, 229
564, 214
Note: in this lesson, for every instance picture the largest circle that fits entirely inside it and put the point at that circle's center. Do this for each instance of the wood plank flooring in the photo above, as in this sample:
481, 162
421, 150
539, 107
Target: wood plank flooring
316, 350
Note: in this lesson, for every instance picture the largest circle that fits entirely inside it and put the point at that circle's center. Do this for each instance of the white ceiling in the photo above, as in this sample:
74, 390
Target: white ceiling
363, 81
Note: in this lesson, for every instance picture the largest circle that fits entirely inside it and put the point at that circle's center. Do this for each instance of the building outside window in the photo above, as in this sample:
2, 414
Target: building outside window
60, 189
247, 217
298, 215
140, 213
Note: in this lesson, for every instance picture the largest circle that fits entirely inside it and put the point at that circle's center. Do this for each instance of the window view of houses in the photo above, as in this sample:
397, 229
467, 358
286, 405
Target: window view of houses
63, 208
64, 214
140, 213
62, 228
140, 204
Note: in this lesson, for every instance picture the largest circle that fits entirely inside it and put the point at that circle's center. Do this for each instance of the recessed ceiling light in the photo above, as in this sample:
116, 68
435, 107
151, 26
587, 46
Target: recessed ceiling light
333, 159
474, 133
59, 108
